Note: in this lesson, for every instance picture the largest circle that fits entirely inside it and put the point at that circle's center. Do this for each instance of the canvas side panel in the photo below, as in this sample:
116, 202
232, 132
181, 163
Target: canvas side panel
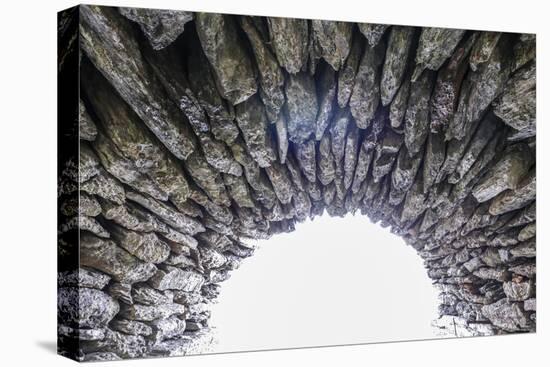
68, 181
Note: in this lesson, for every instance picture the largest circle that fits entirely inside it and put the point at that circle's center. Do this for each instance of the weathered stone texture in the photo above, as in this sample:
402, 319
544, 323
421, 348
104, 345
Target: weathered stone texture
290, 42
434, 47
395, 63
333, 39
229, 59
365, 96
110, 43
301, 107
199, 131
161, 27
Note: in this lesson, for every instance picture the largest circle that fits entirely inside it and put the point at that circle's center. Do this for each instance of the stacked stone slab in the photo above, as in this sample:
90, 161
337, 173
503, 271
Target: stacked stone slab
200, 131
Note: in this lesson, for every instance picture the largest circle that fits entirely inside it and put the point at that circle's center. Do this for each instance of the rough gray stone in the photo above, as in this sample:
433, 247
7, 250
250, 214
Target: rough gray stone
120, 344
222, 46
161, 27
417, 122
350, 156
83, 277
480, 89
505, 174
145, 246
132, 216
395, 63
433, 159
84, 223
364, 160
167, 214
87, 129
365, 96
254, 176
282, 137
149, 313
107, 257
527, 232
338, 133
326, 161
530, 304
207, 178
187, 343
282, 185
527, 269
405, 170
88, 164
333, 39
525, 249
516, 198
372, 32
131, 327
434, 47
485, 131
305, 155
132, 80
346, 75
210, 258
490, 273
124, 170
385, 154
253, 123
414, 204
463, 187
121, 292
447, 87
238, 191
106, 186
271, 75
218, 155
483, 48
524, 50
398, 107
82, 204
301, 107
203, 86
517, 104
167, 328
244, 126
175, 278
327, 85
289, 38
82, 334
517, 291
150, 297
506, 315
85, 307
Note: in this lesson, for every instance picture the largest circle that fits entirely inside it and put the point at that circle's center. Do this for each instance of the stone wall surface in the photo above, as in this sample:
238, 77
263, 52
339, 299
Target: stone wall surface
199, 131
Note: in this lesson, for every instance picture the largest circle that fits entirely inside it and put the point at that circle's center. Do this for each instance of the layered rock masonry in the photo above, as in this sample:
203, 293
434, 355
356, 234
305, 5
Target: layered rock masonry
188, 134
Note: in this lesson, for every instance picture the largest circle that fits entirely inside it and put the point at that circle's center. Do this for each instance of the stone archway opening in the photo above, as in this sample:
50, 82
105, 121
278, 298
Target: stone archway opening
197, 132
331, 281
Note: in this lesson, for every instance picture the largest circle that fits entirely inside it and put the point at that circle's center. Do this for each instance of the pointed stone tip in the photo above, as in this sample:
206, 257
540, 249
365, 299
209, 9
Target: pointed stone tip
417, 72
385, 98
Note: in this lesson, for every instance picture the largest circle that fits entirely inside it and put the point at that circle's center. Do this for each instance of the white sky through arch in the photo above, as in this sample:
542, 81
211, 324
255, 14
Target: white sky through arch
332, 281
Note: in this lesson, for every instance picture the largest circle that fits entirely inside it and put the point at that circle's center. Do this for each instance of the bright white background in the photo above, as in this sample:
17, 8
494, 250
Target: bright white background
332, 281
28, 182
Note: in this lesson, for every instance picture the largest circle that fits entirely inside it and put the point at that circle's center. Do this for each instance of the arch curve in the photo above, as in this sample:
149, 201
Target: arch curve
333, 281
198, 131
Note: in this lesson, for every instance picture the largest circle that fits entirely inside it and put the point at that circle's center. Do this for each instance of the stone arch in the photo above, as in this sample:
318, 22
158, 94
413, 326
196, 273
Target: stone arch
198, 131
333, 281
